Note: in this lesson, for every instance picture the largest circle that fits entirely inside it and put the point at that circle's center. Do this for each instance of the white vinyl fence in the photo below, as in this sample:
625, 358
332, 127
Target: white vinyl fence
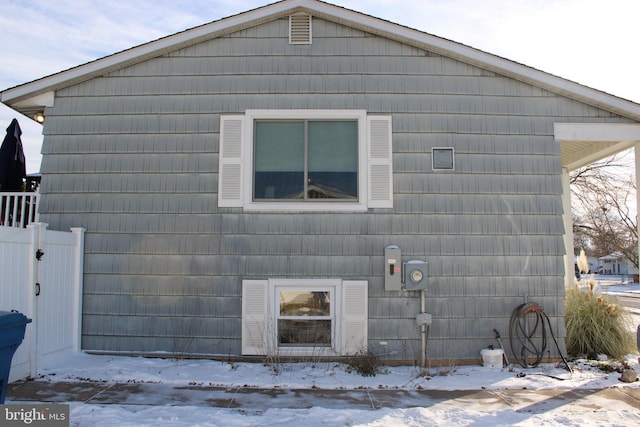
41, 277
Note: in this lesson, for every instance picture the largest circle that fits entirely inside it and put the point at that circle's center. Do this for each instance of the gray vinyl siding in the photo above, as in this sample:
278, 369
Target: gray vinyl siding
133, 157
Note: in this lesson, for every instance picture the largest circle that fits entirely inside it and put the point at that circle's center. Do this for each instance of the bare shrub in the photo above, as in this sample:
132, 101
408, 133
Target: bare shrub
365, 363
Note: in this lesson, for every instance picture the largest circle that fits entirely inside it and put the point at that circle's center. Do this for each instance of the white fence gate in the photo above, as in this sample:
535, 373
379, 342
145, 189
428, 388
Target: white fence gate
41, 277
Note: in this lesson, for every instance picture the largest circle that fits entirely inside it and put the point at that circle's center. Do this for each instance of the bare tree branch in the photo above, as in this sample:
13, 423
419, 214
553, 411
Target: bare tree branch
604, 208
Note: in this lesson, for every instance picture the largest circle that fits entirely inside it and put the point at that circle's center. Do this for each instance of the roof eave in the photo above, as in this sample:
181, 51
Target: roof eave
141, 53
336, 14
479, 58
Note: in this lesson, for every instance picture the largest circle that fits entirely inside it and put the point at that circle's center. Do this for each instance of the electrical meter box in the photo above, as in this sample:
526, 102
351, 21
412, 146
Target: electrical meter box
416, 273
392, 268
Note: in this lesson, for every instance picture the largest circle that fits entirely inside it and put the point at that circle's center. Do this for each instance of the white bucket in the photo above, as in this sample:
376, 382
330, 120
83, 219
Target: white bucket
492, 358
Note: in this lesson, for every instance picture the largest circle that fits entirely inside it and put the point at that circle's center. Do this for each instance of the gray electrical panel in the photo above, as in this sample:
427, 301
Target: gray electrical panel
392, 268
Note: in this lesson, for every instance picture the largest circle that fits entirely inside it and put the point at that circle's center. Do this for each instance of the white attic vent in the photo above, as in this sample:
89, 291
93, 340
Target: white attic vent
300, 28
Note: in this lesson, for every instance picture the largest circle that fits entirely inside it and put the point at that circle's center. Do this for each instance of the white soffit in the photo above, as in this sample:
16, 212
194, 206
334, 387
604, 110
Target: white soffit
45, 99
584, 143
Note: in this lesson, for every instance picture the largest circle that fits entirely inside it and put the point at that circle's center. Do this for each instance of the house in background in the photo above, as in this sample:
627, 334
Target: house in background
616, 264
242, 181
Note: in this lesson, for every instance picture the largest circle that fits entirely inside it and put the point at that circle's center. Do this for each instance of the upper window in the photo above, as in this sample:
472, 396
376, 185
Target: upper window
305, 160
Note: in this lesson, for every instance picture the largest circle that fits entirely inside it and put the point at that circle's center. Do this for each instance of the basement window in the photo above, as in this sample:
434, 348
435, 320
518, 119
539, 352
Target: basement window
304, 317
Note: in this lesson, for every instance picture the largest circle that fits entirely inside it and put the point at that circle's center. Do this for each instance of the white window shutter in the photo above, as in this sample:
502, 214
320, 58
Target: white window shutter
354, 331
380, 162
255, 314
230, 161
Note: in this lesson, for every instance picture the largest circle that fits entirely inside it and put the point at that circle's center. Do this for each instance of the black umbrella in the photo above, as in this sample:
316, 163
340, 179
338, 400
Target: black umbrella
12, 163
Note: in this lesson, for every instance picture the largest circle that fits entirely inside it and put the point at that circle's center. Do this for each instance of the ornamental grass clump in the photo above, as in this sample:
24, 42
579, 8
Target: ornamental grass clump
596, 324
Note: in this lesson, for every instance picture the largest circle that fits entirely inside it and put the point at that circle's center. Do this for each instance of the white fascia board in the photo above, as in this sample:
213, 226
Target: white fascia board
596, 132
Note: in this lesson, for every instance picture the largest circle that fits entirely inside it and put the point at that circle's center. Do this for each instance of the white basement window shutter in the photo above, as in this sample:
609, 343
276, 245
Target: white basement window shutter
254, 317
354, 331
230, 161
380, 162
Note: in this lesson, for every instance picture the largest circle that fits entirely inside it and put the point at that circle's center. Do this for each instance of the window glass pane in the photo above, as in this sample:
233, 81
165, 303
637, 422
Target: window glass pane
333, 159
305, 303
304, 333
279, 160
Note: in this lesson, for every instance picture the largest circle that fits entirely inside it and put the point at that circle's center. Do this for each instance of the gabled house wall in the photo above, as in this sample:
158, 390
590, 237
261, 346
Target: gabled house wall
616, 264
133, 157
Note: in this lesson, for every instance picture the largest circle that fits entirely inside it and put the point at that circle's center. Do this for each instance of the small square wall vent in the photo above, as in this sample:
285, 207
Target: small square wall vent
442, 158
300, 28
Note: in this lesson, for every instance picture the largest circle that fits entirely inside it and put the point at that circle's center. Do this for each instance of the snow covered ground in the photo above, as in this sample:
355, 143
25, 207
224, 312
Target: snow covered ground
474, 412
613, 284
332, 376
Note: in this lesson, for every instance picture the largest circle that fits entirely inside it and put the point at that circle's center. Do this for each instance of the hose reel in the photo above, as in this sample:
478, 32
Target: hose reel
528, 329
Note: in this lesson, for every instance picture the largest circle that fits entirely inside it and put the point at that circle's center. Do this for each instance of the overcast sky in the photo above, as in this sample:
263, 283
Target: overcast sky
592, 42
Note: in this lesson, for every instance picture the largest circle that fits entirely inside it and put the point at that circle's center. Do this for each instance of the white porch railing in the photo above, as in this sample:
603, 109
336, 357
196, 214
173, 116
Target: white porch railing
19, 209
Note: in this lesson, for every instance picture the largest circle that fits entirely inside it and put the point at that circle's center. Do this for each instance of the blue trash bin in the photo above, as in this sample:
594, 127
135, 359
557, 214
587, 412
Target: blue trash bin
12, 327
